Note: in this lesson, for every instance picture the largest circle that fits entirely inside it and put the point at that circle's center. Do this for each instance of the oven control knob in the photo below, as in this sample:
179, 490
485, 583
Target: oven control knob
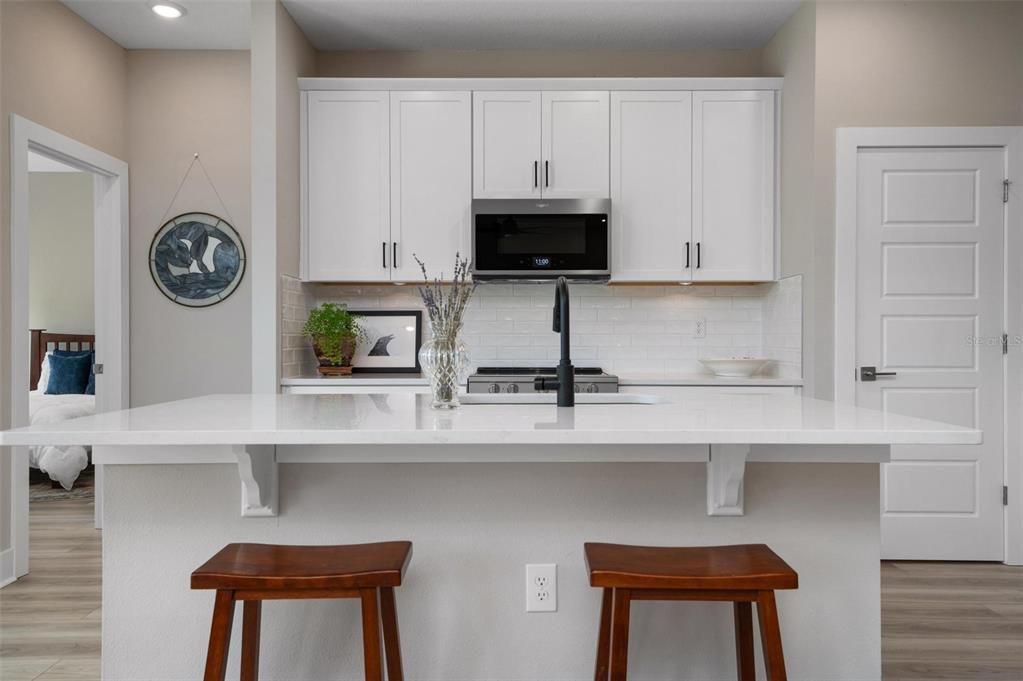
494, 388
578, 387
513, 388
592, 388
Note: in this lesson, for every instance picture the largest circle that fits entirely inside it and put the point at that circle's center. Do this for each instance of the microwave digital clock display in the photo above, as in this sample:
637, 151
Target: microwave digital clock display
541, 261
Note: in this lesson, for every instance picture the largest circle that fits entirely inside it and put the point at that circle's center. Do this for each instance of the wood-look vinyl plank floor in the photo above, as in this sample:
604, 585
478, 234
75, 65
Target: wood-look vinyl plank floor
49, 619
951, 622
940, 621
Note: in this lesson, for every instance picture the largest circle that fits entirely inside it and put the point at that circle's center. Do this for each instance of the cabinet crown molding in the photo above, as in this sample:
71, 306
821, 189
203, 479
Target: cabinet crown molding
435, 84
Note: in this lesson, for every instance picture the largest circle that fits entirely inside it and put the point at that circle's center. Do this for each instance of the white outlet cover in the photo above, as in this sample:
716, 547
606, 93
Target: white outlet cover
541, 587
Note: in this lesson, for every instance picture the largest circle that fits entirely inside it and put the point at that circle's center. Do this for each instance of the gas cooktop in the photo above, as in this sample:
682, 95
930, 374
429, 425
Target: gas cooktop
523, 380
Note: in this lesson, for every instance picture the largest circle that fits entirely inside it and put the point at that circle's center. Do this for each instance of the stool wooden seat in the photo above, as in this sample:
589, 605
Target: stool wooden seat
744, 574
256, 572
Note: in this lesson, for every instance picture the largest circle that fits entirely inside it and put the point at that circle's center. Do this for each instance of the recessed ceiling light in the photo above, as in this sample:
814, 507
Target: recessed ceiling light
168, 10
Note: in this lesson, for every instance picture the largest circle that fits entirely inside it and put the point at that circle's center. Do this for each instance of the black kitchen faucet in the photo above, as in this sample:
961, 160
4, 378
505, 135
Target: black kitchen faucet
565, 382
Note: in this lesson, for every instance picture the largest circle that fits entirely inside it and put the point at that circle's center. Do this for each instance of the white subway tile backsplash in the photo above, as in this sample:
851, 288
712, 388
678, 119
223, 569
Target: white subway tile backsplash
625, 329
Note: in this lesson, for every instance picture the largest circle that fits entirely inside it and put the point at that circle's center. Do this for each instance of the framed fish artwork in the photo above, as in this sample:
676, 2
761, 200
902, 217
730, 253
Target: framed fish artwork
390, 343
197, 259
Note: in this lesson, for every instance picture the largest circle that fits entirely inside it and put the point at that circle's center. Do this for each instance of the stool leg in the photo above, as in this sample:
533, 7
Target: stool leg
250, 640
770, 636
392, 643
620, 635
744, 661
371, 635
604, 636
220, 636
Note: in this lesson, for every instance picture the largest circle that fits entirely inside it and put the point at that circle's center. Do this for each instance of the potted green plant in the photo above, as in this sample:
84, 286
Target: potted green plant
336, 334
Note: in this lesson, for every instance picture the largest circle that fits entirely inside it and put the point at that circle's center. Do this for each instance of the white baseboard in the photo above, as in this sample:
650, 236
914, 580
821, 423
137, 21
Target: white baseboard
6, 567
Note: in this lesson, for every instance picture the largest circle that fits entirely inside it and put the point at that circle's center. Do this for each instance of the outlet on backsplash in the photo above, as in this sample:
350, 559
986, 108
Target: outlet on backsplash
700, 328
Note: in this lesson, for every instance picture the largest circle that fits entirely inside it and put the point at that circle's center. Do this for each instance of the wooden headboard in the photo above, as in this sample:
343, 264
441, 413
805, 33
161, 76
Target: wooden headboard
43, 342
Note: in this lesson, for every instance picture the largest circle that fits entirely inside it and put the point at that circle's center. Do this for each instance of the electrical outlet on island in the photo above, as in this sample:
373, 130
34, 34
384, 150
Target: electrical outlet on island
541, 587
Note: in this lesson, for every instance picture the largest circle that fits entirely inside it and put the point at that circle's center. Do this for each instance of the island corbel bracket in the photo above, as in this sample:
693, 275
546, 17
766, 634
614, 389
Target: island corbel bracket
257, 467
726, 471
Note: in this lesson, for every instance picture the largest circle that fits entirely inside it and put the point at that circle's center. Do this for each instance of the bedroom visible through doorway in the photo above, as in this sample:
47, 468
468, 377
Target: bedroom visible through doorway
61, 318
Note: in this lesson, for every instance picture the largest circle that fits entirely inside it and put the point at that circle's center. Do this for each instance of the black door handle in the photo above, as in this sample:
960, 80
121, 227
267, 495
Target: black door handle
547, 173
536, 175
697, 255
394, 254
383, 254
687, 255
871, 373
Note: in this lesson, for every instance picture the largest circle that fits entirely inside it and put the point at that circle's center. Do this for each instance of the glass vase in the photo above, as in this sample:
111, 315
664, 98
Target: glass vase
445, 362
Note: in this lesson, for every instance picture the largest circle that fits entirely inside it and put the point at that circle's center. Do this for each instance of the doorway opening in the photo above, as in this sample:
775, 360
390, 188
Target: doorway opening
60, 358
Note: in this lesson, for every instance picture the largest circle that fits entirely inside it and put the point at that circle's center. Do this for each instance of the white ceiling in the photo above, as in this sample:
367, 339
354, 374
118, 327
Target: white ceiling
37, 163
208, 24
453, 24
532, 24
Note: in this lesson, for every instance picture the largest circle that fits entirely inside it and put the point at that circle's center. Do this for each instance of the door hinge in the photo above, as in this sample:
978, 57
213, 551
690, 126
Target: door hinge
1005, 344
1005, 495
1005, 191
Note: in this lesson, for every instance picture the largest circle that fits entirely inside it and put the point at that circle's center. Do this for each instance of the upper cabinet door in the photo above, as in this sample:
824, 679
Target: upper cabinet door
733, 185
347, 225
575, 145
506, 145
651, 178
431, 181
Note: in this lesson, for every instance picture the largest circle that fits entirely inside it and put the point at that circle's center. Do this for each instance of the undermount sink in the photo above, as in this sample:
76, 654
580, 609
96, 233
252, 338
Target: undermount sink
551, 398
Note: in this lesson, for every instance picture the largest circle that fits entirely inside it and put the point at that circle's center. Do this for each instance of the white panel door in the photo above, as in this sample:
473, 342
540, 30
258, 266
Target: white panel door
575, 137
929, 294
431, 180
733, 185
651, 185
506, 145
348, 194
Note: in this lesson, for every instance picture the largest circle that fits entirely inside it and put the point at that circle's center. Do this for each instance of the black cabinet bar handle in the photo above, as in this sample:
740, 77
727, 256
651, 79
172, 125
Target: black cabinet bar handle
536, 177
547, 173
697, 255
687, 255
383, 254
394, 255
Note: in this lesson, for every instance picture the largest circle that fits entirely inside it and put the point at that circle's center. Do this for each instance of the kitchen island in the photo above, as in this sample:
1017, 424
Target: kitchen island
481, 491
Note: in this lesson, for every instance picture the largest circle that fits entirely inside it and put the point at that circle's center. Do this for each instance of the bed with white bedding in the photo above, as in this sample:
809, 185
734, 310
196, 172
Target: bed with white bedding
61, 464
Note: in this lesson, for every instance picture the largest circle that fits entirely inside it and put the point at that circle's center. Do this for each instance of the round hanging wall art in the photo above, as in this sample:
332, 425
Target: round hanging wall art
197, 259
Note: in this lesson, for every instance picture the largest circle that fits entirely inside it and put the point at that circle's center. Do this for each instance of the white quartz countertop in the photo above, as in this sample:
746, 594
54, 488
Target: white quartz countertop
404, 418
623, 379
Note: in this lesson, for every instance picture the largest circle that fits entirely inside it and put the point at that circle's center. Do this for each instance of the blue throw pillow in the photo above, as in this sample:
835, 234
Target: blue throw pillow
69, 374
90, 387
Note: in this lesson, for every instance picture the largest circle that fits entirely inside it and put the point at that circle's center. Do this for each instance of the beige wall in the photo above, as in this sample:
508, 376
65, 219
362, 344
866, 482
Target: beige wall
180, 103
903, 64
295, 58
60, 290
57, 71
791, 54
537, 63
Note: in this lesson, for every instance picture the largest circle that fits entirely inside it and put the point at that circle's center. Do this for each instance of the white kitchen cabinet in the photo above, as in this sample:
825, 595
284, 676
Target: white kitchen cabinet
575, 136
540, 144
733, 185
506, 145
651, 175
431, 181
347, 187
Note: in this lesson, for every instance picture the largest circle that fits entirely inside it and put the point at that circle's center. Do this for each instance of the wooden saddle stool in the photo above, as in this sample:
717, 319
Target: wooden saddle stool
743, 574
254, 573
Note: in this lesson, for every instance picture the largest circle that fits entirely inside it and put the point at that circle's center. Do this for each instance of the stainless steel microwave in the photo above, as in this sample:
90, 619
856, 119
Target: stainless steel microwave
538, 239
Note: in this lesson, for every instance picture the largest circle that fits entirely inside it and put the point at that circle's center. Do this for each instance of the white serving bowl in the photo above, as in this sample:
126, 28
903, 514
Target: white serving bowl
734, 367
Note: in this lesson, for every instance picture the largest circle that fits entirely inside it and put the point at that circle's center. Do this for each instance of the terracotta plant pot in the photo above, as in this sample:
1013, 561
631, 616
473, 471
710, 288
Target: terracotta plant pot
324, 365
